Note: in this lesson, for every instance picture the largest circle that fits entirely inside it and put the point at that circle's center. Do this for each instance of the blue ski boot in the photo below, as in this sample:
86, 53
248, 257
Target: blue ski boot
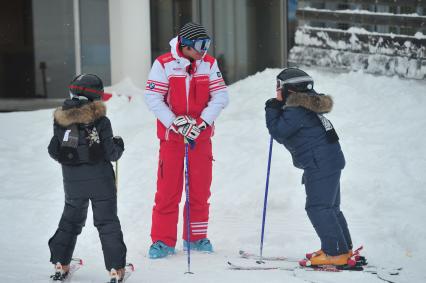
160, 250
202, 245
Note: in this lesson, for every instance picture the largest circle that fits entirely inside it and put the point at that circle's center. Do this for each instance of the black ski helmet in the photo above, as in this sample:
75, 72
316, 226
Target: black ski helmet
87, 85
295, 80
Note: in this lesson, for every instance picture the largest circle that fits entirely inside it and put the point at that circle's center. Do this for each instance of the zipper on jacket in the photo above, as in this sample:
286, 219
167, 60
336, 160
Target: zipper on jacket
188, 89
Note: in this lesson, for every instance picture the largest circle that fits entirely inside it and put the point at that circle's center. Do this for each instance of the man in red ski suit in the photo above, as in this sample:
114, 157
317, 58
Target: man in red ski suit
186, 92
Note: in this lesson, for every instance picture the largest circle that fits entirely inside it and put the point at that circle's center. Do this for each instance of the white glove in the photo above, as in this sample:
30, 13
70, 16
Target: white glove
189, 131
183, 120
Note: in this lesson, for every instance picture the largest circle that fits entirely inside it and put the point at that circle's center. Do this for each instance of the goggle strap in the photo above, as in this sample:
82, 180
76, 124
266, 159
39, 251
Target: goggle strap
281, 83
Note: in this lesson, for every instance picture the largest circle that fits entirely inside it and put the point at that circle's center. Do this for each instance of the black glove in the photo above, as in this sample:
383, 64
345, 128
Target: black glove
117, 140
203, 125
274, 103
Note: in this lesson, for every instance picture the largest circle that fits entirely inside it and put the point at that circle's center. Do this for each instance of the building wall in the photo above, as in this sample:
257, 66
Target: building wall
16, 49
70, 37
95, 39
130, 40
247, 35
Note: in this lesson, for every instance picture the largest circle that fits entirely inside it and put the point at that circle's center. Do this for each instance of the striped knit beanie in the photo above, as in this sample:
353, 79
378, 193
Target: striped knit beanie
193, 31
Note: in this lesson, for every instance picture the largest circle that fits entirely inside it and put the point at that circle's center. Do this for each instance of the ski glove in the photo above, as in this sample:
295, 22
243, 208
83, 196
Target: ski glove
118, 141
183, 120
274, 103
202, 126
189, 131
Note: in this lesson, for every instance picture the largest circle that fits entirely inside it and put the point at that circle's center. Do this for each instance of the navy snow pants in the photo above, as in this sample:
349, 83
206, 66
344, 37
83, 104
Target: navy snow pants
105, 219
323, 209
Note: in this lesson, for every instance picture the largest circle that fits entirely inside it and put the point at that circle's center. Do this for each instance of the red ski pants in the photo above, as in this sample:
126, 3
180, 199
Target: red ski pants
170, 184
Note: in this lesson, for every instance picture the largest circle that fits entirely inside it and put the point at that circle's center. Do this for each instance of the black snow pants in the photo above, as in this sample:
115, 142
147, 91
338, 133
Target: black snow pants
104, 207
323, 209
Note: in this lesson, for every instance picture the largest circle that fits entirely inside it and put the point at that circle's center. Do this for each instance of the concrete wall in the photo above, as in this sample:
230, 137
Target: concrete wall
130, 40
53, 28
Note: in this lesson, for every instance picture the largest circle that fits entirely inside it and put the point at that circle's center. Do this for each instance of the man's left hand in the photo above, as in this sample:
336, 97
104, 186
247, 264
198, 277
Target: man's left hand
202, 125
189, 131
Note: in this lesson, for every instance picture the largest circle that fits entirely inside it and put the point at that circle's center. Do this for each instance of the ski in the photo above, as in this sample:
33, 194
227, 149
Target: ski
75, 264
326, 268
233, 266
253, 256
247, 255
129, 269
382, 273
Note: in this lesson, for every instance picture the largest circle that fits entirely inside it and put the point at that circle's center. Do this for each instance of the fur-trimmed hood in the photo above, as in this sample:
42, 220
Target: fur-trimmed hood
317, 103
85, 114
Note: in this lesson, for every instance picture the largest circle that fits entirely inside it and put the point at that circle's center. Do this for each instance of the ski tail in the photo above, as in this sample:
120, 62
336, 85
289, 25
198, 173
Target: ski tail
128, 270
248, 255
63, 275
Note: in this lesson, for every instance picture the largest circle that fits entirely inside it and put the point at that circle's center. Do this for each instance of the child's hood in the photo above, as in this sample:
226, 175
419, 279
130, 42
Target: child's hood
317, 103
85, 114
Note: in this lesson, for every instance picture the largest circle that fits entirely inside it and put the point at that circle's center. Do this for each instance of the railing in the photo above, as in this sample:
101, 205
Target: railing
324, 39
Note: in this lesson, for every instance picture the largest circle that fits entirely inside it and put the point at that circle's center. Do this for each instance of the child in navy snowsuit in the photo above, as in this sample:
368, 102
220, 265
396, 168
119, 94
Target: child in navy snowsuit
295, 120
83, 143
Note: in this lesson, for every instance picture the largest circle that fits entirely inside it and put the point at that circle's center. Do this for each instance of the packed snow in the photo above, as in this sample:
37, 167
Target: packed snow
381, 122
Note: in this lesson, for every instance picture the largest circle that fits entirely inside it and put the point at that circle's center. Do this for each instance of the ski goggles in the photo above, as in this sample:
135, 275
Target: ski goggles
200, 45
302, 84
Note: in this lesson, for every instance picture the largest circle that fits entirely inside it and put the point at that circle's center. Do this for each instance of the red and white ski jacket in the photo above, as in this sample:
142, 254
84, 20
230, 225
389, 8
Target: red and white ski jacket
177, 87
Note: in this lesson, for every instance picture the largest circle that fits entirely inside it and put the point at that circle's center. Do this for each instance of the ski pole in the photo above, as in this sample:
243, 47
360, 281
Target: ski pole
116, 175
188, 234
265, 201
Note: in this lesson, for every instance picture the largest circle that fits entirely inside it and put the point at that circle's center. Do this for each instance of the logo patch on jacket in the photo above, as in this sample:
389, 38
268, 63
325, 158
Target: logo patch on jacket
219, 75
151, 85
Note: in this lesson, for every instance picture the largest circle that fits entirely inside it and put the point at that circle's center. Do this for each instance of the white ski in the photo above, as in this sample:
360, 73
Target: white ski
248, 255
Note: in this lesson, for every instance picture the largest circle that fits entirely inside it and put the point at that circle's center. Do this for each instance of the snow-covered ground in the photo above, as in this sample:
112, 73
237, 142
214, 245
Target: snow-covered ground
381, 122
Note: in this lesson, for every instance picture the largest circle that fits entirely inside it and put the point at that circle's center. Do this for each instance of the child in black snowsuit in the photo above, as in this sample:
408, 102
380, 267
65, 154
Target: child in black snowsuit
84, 145
295, 120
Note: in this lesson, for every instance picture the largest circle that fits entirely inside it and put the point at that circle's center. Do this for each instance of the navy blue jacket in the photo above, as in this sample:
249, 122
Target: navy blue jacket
297, 126
86, 177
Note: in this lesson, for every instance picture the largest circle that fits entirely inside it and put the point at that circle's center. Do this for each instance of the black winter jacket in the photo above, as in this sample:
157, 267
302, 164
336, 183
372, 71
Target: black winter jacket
87, 177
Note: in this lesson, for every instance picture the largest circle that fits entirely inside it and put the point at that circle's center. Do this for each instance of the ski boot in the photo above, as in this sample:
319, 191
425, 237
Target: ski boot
202, 245
324, 259
314, 254
116, 276
160, 250
355, 256
61, 272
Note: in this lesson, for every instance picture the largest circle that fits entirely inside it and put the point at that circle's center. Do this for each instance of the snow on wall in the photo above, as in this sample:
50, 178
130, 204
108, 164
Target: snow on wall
358, 49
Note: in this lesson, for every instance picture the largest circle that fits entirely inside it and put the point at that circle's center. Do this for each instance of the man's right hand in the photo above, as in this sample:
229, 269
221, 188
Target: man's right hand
180, 121
186, 126
189, 131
